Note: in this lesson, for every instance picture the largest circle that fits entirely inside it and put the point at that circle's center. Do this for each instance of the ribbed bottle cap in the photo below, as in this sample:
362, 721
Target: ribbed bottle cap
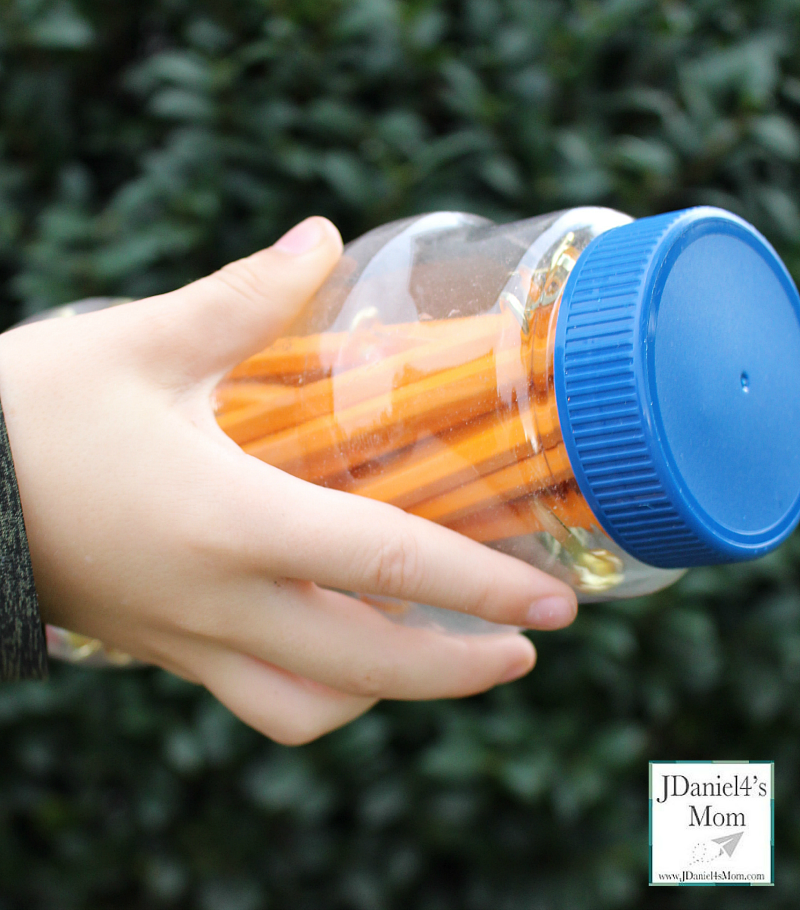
677, 375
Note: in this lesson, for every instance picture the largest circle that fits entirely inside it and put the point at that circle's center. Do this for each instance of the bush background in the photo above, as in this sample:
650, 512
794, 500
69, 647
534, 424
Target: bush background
143, 144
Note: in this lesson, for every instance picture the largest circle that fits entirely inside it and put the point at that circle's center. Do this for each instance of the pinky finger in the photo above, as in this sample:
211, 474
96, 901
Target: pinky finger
286, 707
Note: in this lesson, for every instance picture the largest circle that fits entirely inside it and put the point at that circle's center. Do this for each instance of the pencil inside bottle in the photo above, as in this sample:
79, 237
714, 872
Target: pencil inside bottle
453, 419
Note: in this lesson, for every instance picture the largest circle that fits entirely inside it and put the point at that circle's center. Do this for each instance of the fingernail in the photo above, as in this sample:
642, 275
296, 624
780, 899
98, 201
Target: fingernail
517, 669
551, 613
301, 238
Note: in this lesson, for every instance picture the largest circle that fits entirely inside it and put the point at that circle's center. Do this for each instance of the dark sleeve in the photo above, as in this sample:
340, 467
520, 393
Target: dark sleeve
23, 650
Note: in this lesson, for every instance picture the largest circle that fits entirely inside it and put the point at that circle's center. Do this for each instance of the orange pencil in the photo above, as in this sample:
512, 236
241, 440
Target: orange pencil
229, 397
538, 471
521, 517
311, 357
334, 396
386, 423
488, 445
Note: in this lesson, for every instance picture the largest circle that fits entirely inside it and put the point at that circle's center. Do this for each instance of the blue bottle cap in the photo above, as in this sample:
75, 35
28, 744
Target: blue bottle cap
677, 376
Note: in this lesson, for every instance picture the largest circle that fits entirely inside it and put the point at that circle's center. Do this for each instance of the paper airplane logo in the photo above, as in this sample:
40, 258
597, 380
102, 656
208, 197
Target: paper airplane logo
728, 843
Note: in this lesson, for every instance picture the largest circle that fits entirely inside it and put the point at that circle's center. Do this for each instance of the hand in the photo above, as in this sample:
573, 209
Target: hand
154, 532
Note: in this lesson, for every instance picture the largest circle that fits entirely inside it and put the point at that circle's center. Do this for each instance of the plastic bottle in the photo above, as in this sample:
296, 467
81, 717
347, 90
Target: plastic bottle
611, 400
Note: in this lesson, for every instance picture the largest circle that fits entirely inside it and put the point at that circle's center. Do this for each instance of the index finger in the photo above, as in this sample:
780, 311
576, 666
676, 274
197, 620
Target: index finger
339, 540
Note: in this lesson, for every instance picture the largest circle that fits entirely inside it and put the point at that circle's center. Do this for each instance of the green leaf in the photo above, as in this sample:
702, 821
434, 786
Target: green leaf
778, 134
61, 27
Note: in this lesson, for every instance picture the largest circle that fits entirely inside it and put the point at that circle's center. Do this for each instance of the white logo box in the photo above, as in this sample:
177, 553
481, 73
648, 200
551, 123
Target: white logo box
712, 823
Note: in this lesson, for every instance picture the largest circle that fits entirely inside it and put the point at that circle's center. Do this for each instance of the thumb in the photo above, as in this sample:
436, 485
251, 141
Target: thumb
230, 315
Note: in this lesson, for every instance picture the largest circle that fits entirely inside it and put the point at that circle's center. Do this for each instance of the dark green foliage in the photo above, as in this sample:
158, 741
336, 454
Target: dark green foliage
146, 142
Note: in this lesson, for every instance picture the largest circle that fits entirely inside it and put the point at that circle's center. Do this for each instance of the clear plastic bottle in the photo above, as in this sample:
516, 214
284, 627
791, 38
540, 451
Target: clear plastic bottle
610, 400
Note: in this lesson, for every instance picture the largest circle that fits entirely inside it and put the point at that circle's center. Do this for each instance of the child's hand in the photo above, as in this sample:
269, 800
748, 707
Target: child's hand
154, 532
